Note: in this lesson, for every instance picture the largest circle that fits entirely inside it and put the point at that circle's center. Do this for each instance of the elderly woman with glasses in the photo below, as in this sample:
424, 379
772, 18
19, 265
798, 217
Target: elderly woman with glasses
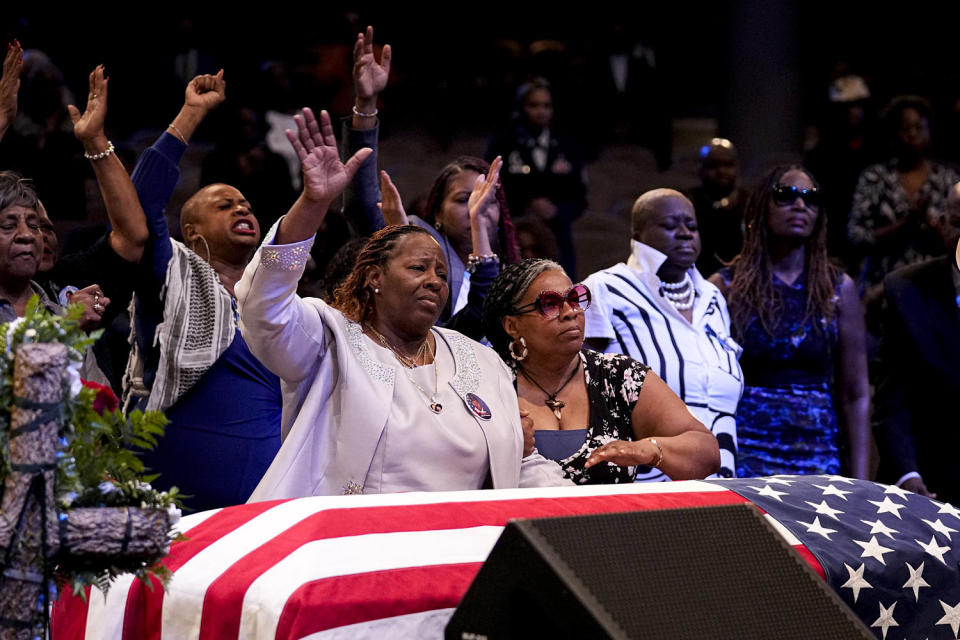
600, 416
799, 321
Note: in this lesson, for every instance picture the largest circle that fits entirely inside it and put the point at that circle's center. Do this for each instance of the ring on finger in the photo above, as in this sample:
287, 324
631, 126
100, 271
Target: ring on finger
97, 307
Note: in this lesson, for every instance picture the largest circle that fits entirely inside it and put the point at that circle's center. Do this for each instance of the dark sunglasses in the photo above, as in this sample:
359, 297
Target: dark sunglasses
784, 195
550, 303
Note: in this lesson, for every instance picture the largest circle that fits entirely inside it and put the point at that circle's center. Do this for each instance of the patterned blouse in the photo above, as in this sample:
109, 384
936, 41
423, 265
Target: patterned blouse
613, 386
879, 201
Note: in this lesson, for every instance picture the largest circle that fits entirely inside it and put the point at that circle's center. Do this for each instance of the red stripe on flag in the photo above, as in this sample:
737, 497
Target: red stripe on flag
811, 560
335, 602
69, 616
223, 602
144, 607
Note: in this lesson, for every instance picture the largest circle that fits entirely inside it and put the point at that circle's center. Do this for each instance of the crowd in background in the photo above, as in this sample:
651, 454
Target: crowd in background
842, 312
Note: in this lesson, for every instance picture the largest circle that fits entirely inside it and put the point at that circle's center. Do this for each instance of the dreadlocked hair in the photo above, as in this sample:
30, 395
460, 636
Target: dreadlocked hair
506, 234
354, 297
506, 291
751, 292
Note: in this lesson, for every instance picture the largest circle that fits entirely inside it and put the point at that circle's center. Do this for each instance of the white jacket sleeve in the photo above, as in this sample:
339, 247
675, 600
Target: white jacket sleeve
282, 330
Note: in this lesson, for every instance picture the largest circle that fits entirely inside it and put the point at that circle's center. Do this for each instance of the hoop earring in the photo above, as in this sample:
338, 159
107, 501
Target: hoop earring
200, 235
523, 345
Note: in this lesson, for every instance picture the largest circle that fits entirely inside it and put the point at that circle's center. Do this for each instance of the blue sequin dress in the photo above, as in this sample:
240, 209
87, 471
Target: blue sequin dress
786, 421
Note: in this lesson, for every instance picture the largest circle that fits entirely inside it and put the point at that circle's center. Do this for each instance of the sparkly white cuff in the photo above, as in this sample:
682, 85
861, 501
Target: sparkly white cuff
286, 257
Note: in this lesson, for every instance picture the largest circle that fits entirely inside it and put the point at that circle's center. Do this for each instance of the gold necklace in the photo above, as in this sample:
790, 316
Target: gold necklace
406, 361
424, 350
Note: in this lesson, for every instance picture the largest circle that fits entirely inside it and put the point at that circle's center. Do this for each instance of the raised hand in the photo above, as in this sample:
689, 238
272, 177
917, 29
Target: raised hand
10, 84
324, 176
484, 209
391, 205
205, 92
88, 127
369, 76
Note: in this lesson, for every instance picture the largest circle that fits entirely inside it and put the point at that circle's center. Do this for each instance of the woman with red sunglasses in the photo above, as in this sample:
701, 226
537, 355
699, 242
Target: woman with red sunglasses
799, 321
600, 416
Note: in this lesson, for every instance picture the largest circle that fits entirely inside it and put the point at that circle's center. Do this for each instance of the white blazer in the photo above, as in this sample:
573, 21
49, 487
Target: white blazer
337, 395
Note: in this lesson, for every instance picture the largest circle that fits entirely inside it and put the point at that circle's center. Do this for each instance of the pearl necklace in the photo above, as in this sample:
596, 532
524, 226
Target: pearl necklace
680, 294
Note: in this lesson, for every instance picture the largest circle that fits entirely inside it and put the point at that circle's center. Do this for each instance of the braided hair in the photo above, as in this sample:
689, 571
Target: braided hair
506, 235
751, 292
353, 298
502, 298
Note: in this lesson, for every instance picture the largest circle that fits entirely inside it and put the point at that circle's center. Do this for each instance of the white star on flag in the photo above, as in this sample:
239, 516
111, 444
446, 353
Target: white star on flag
839, 479
885, 621
873, 549
879, 527
898, 491
769, 491
888, 506
951, 616
939, 527
824, 509
833, 490
775, 480
949, 508
816, 527
915, 581
856, 580
933, 548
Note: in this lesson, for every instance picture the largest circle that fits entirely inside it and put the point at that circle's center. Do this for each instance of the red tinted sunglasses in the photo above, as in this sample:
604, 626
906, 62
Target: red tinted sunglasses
550, 303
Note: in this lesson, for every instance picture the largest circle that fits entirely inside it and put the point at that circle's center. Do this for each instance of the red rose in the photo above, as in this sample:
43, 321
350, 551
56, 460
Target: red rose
105, 400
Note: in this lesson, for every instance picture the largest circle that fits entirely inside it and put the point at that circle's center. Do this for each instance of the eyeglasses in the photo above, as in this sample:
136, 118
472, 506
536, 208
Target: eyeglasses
550, 303
788, 194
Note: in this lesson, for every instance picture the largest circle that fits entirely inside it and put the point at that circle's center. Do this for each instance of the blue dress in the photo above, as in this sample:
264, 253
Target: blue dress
786, 421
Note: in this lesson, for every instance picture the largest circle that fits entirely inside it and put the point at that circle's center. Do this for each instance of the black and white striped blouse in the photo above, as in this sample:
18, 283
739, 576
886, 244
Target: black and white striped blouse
698, 360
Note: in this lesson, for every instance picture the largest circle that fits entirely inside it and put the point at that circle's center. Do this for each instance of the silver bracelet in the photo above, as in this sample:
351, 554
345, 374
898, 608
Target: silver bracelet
365, 115
474, 261
101, 155
659, 461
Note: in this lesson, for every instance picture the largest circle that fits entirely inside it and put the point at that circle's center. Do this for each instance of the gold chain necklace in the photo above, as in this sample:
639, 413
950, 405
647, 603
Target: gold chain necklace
422, 353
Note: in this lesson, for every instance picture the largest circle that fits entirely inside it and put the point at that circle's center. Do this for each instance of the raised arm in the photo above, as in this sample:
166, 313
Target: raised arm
157, 171
853, 388
129, 234
361, 130
10, 85
686, 451
282, 330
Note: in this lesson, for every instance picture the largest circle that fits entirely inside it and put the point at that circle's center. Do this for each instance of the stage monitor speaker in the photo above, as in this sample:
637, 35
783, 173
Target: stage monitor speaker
706, 572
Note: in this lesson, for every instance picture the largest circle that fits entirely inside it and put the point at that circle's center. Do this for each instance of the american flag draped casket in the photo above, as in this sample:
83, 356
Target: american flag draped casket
397, 565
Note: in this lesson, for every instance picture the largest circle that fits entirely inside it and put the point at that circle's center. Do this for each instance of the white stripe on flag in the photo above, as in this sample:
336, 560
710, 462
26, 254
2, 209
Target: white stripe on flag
183, 601
266, 597
105, 615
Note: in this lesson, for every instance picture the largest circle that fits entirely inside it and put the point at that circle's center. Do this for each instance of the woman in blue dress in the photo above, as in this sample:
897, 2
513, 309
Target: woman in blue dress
799, 320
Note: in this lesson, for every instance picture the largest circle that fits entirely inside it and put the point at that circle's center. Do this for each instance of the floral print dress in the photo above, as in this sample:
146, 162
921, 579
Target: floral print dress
613, 386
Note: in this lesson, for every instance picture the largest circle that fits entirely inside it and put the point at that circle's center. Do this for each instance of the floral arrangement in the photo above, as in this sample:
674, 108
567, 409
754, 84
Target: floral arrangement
96, 465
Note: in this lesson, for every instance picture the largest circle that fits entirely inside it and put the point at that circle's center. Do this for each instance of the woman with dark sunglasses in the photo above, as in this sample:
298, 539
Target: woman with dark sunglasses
799, 321
599, 416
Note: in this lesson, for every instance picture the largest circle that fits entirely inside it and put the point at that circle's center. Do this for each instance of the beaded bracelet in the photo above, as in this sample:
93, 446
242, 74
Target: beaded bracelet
101, 155
356, 112
474, 261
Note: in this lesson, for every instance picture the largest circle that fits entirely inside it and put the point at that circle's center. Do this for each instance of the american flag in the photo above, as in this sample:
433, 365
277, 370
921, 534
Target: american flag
397, 565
